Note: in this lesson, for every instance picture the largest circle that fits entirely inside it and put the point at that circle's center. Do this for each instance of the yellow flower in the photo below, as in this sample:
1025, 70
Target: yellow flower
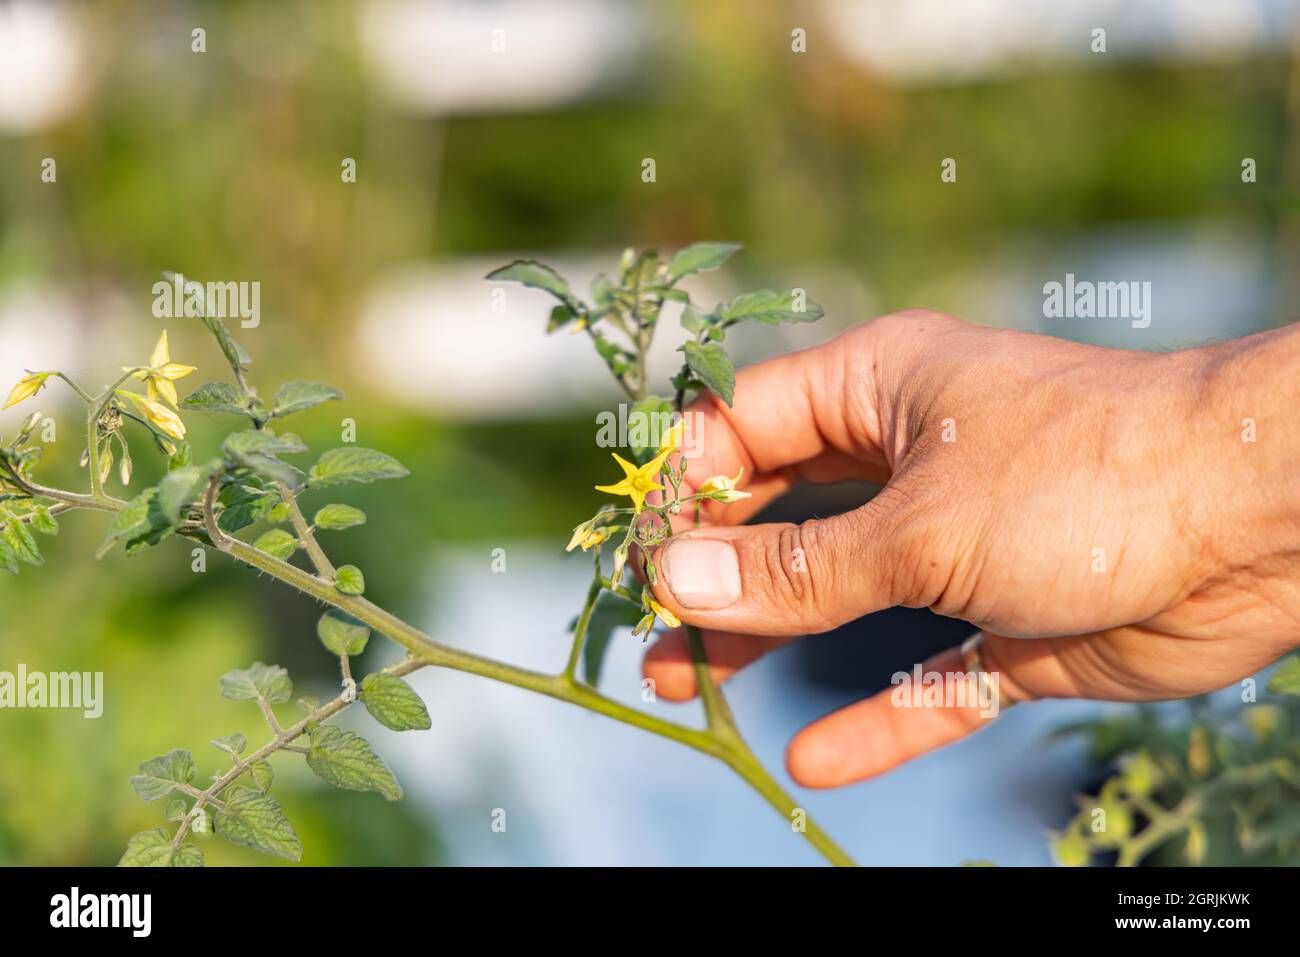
167, 421
27, 387
637, 482
587, 538
161, 372
723, 489
664, 615
673, 437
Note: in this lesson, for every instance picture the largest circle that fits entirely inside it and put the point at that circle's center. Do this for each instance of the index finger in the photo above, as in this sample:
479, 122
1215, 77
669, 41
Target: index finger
809, 415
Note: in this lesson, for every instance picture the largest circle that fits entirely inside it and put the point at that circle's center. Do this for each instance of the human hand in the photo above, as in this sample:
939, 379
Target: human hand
1137, 514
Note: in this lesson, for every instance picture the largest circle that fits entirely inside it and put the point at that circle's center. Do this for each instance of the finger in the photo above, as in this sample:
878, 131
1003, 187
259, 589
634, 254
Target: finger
805, 415
783, 579
669, 665
878, 734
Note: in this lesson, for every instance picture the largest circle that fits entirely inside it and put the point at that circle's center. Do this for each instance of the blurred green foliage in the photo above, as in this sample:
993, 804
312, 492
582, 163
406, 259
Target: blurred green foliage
211, 167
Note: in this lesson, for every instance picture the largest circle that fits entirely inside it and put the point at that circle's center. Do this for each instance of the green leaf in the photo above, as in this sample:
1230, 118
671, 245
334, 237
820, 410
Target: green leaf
257, 681
647, 421
235, 355
298, 395
698, 258
244, 503
394, 703
346, 760
353, 464
254, 819
338, 517
610, 613
537, 276
177, 810
257, 449
695, 321
8, 561
349, 580
262, 774
160, 775
561, 316
770, 307
20, 540
233, 744
217, 397
44, 522
1286, 680
713, 367
277, 543
342, 634
154, 849
182, 487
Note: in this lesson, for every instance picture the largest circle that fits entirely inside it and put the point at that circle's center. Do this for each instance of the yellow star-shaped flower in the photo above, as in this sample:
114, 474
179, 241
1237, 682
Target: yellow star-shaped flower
161, 372
167, 421
27, 387
637, 482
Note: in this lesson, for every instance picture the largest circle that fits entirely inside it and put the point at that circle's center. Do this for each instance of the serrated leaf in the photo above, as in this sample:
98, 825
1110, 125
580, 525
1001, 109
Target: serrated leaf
1286, 679
20, 540
693, 320
177, 810
393, 703
338, 517
262, 774
257, 449
538, 276
711, 364
346, 760
610, 613
770, 307
8, 562
298, 395
277, 543
44, 522
160, 775
349, 580
244, 503
342, 634
353, 464
182, 487
254, 819
257, 681
698, 258
233, 744
217, 397
154, 849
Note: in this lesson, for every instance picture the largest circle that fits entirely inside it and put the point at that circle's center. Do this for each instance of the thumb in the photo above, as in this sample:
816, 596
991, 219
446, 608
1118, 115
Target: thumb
784, 579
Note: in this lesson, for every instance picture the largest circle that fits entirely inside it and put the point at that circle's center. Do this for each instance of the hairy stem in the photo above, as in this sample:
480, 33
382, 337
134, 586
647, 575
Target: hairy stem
281, 742
305, 534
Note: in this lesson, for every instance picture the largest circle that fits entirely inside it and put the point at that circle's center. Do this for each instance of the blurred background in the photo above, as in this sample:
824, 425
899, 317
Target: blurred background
483, 130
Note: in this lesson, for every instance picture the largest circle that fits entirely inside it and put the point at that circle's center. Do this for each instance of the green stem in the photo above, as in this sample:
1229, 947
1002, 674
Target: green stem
718, 740
584, 621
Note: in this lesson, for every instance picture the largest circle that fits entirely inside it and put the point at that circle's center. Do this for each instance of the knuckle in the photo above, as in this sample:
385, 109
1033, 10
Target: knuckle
800, 572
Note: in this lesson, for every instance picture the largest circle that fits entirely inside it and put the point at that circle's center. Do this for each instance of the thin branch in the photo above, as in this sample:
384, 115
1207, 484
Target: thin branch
305, 534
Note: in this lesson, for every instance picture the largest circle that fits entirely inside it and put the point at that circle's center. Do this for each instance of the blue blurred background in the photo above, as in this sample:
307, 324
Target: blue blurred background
483, 130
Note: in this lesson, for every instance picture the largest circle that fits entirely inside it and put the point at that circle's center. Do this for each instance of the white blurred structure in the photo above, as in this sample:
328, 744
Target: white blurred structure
962, 40
42, 64
470, 56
